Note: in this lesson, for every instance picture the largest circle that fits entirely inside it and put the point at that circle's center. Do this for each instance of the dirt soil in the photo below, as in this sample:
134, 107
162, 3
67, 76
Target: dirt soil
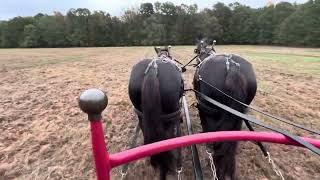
44, 135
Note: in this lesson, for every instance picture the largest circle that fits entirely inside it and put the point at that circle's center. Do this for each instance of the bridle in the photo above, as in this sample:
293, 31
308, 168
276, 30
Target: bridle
202, 51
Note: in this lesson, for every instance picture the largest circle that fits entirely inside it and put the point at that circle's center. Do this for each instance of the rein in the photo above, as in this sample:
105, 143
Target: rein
209, 110
190, 61
257, 122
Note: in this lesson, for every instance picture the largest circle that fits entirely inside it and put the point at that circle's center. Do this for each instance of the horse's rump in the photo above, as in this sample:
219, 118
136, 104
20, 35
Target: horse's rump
155, 88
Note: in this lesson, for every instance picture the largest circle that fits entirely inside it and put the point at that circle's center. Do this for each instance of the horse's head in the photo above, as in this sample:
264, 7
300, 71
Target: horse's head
204, 47
163, 51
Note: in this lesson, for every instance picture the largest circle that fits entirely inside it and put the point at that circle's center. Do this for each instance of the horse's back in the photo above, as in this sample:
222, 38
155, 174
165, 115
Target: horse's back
239, 74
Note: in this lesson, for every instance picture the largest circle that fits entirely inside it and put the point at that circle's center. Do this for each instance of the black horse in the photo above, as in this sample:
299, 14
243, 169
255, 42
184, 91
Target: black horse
155, 89
234, 76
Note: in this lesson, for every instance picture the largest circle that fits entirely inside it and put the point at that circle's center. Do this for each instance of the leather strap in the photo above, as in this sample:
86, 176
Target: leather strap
190, 61
209, 110
257, 122
163, 116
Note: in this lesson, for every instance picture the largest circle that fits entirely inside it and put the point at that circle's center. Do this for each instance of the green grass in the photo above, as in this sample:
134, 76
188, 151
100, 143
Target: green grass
294, 63
284, 57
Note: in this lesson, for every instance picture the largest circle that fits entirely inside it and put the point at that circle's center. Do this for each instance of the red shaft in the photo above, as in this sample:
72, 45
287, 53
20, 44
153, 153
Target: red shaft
100, 153
166, 145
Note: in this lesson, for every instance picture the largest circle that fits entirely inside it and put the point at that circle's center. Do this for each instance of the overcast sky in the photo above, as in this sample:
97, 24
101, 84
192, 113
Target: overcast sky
12, 8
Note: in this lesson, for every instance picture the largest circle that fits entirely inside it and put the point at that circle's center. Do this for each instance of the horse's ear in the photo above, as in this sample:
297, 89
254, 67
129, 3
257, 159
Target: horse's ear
210, 42
157, 49
214, 42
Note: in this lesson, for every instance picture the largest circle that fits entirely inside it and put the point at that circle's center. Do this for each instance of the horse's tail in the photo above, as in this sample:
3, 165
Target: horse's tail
151, 105
236, 86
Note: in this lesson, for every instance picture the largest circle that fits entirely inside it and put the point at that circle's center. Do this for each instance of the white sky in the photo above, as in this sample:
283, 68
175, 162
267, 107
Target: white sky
12, 8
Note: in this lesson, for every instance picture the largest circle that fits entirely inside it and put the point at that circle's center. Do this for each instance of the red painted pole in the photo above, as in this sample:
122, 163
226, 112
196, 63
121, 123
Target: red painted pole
93, 102
170, 144
100, 153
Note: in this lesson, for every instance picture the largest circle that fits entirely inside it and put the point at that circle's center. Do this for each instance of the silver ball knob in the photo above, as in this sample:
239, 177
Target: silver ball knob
93, 102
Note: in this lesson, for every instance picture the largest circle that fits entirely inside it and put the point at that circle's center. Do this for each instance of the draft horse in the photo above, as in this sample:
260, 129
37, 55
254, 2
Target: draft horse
155, 89
234, 76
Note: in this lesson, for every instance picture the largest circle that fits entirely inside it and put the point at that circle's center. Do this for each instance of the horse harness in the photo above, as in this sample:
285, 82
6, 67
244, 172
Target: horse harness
229, 61
165, 58
212, 111
163, 116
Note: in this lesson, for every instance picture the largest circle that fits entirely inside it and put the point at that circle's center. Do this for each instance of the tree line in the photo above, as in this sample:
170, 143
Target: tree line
166, 23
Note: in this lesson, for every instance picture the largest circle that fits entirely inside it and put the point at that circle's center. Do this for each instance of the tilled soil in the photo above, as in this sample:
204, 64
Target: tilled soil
44, 135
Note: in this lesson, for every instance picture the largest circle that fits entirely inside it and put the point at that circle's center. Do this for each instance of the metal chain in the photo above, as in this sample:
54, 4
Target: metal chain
274, 166
179, 171
213, 167
123, 174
